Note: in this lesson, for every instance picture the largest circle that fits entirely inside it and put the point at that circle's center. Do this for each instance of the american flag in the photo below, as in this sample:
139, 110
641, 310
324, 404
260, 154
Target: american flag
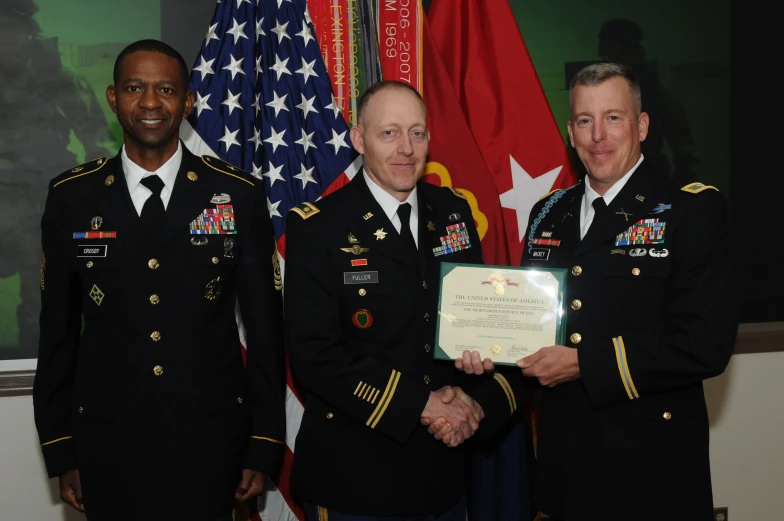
264, 102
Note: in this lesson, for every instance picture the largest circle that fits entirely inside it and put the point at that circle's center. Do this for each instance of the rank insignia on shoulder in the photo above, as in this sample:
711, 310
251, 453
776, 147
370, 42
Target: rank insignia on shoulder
457, 193
305, 210
84, 169
695, 188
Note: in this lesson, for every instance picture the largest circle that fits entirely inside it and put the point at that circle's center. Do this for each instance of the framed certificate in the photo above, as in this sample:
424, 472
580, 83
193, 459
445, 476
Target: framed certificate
503, 312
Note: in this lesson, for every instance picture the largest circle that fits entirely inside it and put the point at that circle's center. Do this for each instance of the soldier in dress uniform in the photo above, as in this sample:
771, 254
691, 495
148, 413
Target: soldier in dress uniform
362, 284
144, 408
651, 313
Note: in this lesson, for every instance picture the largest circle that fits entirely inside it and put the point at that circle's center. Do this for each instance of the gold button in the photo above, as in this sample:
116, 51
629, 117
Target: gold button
81, 410
577, 271
158, 370
427, 317
239, 400
362, 292
667, 415
153, 264
576, 338
215, 260
330, 415
154, 299
424, 284
192, 176
427, 348
427, 379
636, 271
155, 335
90, 264
576, 304
109, 180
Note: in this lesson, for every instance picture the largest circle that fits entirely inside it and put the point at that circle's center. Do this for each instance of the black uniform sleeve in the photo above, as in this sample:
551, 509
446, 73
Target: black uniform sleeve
261, 311
695, 338
60, 327
324, 363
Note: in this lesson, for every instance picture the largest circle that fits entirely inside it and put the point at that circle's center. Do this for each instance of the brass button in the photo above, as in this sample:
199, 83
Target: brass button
330, 415
427, 348
155, 335
362, 292
667, 415
153, 264
81, 410
154, 299
577, 271
192, 176
576, 304
90, 264
424, 284
427, 380
636, 271
427, 317
158, 370
576, 338
239, 400
109, 180
215, 260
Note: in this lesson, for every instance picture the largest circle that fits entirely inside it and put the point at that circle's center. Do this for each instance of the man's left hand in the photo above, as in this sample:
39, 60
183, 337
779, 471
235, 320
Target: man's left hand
251, 485
551, 365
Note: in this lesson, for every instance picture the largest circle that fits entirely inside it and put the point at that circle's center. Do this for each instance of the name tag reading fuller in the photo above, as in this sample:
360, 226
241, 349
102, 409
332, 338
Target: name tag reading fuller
360, 277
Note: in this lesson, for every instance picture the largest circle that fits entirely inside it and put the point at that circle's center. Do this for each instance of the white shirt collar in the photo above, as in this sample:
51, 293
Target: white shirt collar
387, 201
609, 195
167, 172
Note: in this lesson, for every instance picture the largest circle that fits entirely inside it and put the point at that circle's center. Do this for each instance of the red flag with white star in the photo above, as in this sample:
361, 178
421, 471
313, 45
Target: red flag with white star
504, 105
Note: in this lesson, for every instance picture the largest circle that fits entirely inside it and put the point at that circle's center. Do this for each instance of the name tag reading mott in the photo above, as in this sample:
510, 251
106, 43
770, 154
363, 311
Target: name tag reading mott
92, 250
360, 277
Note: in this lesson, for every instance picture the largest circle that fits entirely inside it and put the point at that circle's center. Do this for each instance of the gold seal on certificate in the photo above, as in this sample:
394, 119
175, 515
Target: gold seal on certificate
503, 312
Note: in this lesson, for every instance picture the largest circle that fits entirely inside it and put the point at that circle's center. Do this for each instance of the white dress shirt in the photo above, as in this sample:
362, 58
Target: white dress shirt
390, 204
134, 175
587, 212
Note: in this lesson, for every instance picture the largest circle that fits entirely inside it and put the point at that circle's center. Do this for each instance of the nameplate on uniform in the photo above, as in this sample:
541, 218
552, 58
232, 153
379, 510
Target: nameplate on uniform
92, 250
540, 254
360, 277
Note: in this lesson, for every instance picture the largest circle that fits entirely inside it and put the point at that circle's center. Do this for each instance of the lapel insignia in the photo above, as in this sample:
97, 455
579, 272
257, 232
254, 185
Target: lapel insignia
659, 253
625, 214
640, 198
109, 180
367, 216
380, 234
96, 294
454, 217
96, 223
356, 249
430, 226
220, 199
456, 239
192, 176
352, 239
662, 207
218, 220
213, 289
644, 231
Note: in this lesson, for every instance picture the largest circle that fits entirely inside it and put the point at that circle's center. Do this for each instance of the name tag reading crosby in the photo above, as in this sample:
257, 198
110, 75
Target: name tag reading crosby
360, 277
92, 250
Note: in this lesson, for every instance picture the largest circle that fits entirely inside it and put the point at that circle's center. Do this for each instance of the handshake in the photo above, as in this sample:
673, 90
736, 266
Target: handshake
451, 415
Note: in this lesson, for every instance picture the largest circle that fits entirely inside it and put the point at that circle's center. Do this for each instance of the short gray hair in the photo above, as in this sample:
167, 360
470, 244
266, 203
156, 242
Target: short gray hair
598, 73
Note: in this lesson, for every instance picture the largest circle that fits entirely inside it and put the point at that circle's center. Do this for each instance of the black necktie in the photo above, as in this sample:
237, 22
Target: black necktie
404, 213
153, 211
599, 206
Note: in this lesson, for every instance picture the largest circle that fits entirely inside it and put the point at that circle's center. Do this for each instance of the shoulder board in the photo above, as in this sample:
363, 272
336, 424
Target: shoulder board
695, 188
226, 168
457, 192
82, 170
305, 210
548, 195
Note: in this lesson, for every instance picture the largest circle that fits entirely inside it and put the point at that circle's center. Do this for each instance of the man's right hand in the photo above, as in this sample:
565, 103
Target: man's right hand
458, 416
71, 489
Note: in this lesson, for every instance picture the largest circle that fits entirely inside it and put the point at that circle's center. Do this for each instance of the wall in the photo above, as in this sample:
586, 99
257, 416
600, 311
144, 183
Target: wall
747, 454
